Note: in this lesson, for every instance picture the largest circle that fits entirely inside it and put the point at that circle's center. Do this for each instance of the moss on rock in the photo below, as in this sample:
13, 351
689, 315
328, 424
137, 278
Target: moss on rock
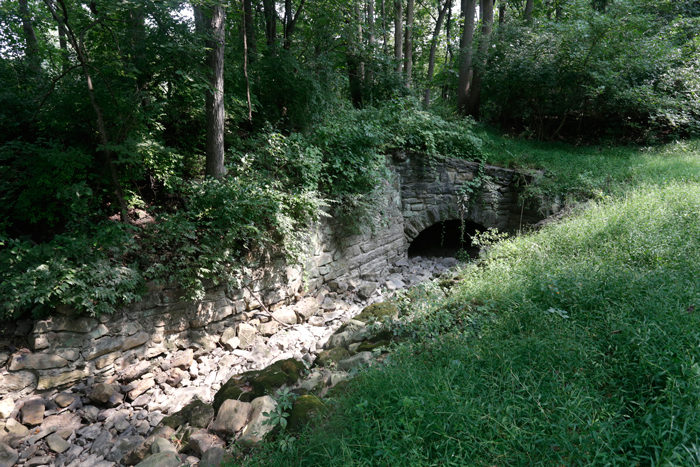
378, 311
327, 357
303, 411
369, 346
197, 414
253, 384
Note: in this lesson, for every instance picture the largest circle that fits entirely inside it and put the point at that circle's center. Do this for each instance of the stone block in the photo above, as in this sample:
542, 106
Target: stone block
36, 361
50, 381
103, 346
16, 382
134, 341
65, 323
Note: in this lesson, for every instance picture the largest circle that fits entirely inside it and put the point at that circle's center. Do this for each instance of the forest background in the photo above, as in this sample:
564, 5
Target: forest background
163, 140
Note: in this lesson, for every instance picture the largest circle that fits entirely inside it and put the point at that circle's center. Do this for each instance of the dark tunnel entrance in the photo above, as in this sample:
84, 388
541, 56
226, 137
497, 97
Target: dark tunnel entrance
445, 239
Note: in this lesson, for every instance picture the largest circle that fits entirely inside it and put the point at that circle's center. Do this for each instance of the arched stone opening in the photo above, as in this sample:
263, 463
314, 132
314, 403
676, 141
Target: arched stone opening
446, 239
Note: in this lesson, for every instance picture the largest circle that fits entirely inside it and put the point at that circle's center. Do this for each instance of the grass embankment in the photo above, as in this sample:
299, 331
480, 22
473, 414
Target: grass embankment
575, 345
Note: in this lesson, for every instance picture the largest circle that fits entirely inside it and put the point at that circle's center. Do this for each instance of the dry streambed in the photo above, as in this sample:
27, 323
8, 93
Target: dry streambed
188, 405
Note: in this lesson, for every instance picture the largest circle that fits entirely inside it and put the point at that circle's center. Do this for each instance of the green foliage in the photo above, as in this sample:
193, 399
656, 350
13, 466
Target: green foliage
78, 271
285, 400
625, 71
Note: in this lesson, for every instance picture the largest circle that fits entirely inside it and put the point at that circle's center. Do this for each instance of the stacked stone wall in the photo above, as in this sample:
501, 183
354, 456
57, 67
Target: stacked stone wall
64, 349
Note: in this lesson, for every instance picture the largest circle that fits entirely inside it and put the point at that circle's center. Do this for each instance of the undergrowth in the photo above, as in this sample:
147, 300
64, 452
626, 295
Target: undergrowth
574, 345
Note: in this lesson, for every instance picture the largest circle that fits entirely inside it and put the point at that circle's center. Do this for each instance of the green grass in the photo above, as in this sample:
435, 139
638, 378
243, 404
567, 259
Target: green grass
578, 344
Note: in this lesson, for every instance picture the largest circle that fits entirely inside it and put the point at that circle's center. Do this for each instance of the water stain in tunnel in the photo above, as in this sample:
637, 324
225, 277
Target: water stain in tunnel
446, 239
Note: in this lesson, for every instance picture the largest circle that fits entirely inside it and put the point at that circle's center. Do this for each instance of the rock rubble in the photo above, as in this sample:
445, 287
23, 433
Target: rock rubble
158, 412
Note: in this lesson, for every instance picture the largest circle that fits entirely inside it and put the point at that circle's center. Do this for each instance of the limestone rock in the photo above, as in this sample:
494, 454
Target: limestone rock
307, 307
134, 372
8, 456
214, 457
359, 359
365, 291
256, 430
269, 328
15, 382
123, 447
7, 406
101, 393
162, 445
33, 412
197, 414
328, 357
303, 411
64, 399
57, 444
229, 340
201, 441
61, 379
232, 416
378, 311
36, 361
162, 459
246, 334
285, 315
184, 360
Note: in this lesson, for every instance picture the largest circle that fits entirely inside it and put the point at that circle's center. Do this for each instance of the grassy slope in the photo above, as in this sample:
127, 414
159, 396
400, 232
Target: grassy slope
575, 345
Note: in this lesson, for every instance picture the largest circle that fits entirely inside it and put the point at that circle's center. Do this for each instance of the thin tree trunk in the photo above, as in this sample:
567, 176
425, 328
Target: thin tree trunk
101, 127
449, 57
398, 34
249, 28
385, 41
501, 11
290, 21
465, 69
360, 35
29, 36
433, 49
369, 76
474, 103
64, 48
245, 56
270, 21
409, 42
216, 18
527, 15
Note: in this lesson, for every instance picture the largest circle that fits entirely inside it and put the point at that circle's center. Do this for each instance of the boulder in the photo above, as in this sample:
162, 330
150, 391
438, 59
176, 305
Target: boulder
246, 334
214, 457
33, 412
285, 316
101, 393
378, 311
162, 459
328, 357
266, 381
303, 411
201, 441
7, 406
8, 456
256, 429
361, 358
232, 416
57, 444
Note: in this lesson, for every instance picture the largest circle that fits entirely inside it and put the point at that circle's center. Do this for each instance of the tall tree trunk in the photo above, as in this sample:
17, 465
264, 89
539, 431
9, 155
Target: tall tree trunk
385, 41
369, 75
501, 11
559, 11
290, 21
474, 103
245, 57
433, 49
360, 36
64, 48
398, 34
270, 21
409, 42
448, 32
215, 21
249, 27
527, 15
29, 36
465, 69
101, 126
